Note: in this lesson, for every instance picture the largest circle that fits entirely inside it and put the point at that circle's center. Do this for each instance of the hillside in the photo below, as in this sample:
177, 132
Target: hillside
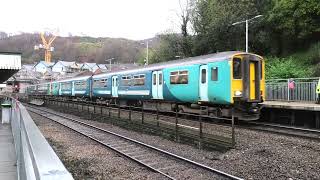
75, 48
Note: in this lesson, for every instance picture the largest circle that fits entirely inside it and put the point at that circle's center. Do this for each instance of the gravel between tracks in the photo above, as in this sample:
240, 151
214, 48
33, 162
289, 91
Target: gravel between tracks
257, 155
86, 159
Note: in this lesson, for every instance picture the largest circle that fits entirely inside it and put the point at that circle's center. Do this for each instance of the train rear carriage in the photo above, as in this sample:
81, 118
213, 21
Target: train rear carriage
42, 89
101, 86
31, 90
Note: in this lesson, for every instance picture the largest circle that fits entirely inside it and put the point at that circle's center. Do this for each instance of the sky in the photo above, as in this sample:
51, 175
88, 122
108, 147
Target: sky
132, 19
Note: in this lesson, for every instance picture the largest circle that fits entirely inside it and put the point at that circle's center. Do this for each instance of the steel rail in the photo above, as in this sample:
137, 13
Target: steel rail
102, 143
210, 169
286, 127
258, 127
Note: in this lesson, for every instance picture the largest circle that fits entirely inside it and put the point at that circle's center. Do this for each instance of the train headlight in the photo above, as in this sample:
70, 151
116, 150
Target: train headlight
238, 93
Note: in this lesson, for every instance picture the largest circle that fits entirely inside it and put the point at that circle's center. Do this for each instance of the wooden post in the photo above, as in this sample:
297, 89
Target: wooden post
177, 130
317, 120
232, 131
142, 114
200, 130
119, 111
157, 115
293, 118
130, 113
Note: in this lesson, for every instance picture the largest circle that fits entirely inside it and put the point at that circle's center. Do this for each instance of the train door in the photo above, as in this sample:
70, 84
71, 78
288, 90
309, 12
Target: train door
115, 86
73, 93
252, 79
203, 83
157, 85
60, 89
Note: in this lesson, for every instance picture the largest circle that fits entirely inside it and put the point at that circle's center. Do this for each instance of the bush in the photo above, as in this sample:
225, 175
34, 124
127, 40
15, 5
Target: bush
283, 68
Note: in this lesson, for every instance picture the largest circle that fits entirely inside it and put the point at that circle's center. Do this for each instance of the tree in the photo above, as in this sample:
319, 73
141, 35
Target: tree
297, 22
212, 21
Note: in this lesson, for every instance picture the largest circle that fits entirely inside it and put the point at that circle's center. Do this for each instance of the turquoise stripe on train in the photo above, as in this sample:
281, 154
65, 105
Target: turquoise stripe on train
219, 92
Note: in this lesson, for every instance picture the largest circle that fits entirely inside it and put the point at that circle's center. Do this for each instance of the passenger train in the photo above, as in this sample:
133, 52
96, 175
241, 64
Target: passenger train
226, 83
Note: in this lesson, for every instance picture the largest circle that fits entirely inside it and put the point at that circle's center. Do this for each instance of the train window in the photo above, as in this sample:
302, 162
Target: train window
214, 74
154, 79
179, 77
160, 78
203, 76
100, 83
126, 80
138, 80
237, 68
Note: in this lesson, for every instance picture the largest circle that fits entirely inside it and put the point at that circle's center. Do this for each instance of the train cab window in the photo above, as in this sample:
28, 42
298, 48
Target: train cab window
203, 76
214, 74
160, 78
179, 77
154, 79
237, 68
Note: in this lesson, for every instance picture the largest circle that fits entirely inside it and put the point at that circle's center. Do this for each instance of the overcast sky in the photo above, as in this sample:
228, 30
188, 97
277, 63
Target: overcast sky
133, 19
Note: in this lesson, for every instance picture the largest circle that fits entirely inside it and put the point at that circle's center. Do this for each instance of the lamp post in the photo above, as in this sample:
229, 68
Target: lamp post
147, 58
110, 61
247, 27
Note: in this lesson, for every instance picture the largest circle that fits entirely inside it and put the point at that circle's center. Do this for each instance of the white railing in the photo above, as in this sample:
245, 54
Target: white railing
304, 89
35, 157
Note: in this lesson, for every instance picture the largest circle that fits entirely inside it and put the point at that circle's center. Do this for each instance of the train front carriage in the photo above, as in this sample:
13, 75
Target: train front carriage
247, 84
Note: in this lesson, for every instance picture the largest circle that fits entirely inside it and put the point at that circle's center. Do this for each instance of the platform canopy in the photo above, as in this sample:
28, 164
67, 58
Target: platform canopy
10, 63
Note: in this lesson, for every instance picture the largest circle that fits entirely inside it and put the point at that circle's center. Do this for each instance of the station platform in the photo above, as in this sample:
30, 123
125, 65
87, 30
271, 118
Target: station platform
8, 167
307, 106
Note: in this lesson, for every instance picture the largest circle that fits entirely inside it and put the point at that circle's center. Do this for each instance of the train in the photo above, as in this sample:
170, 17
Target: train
223, 84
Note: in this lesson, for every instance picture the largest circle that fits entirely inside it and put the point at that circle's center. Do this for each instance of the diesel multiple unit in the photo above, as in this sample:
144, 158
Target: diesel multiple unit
225, 83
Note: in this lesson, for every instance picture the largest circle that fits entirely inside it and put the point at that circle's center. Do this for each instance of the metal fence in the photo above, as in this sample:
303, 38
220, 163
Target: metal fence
35, 157
304, 89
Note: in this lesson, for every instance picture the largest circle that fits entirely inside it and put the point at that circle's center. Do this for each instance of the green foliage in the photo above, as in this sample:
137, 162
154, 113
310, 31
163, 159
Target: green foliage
277, 68
170, 46
296, 18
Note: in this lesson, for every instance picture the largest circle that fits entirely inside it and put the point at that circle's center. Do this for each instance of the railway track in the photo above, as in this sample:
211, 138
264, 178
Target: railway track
170, 165
306, 133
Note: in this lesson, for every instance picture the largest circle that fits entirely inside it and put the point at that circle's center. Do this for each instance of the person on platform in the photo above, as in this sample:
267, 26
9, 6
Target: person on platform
318, 92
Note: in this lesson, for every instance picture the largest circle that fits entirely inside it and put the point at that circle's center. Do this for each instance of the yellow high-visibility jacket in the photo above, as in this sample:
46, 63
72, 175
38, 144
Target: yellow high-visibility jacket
318, 87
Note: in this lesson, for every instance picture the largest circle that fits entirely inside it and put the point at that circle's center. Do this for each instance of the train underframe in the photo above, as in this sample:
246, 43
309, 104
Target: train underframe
248, 111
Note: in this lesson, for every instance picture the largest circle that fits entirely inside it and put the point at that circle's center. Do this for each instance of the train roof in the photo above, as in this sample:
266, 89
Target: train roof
186, 61
74, 78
